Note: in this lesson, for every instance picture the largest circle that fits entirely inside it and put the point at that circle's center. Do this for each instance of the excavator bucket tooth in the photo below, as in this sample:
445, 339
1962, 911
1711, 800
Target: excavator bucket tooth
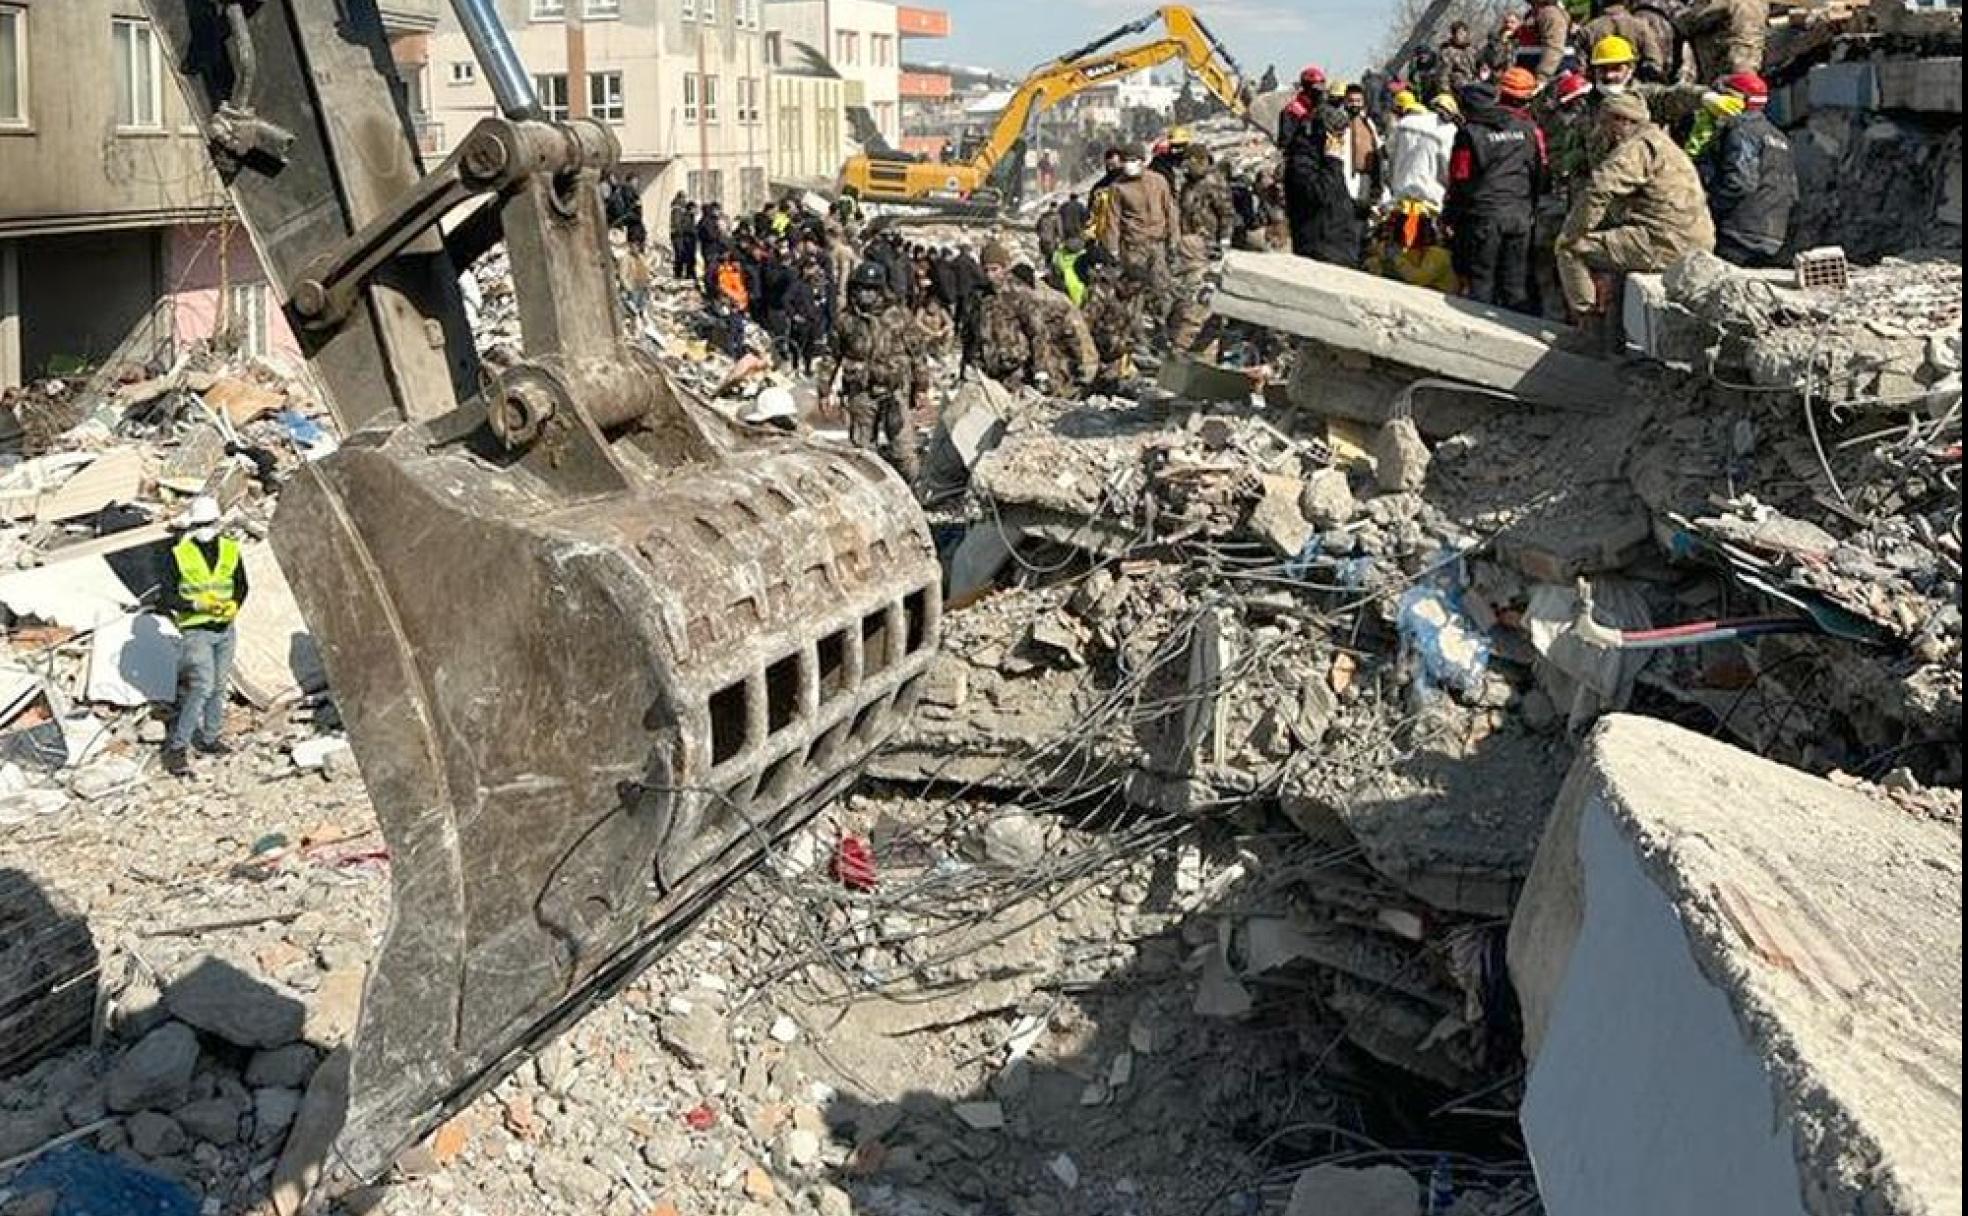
580, 718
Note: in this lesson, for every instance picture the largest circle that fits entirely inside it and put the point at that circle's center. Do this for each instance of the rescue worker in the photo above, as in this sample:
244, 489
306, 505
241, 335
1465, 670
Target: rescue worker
1615, 65
1113, 315
1418, 155
878, 370
1641, 210
1065, 361
1648, 38
1209, 221
1458, 63
1144, 226
1363, 161
1545, 52
1495, 175
1169, 154
1009, 339
1726, 36
1569, 145
1051, 229
1318, 209
204, 586
683, 237
1750, 175
1066, 270
712, 243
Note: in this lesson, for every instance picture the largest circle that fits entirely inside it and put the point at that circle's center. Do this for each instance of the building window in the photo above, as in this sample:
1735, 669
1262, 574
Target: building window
463, 71
139, 77
604, 8
882, 47
552, 89
605, 96
13, 67
246, 319
710, 88
690, 10
705, 185
549, 10
775, 49
748, 99
708, 11
847, 48
690, 88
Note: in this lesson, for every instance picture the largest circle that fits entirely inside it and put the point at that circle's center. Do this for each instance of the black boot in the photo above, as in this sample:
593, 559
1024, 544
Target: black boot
176, 762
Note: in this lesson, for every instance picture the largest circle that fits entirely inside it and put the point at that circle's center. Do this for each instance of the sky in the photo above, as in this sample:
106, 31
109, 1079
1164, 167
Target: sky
1013, 36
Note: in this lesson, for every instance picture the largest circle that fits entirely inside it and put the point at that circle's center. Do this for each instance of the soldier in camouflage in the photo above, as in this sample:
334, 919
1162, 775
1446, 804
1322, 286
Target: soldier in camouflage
1009, 338
878, 370
1067, 360
1113, 314
1209, 221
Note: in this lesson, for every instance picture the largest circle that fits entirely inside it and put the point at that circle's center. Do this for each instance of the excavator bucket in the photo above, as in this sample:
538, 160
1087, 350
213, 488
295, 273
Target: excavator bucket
596, 647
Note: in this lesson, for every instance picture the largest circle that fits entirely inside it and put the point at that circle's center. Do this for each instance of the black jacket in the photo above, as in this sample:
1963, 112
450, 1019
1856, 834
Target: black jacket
1497, 168
1752, 183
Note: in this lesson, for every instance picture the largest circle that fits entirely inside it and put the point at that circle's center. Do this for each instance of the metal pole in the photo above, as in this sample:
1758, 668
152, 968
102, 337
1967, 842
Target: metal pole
512, 86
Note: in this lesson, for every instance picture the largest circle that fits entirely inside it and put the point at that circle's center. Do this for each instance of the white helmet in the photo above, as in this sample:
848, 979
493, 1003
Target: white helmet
204, 511
772, 403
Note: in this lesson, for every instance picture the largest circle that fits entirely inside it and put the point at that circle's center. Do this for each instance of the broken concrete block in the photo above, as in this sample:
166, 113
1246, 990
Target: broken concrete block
975, 563
1276, 519
1327, 499
1335, 1190
275, 660
156, 1072
1927, 86
80, 594
133, 661
1844, 86
1400, 458
1414, 327
947, 682
220, 999
971, 425
115, 476
1767, 921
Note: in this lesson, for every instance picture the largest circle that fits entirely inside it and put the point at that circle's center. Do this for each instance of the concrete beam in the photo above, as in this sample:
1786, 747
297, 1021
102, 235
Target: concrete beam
1741, 989
1926, 86
1413, 327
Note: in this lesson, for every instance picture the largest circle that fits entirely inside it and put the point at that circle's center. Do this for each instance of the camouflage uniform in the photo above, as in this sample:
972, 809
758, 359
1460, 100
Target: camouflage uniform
1066, 355
1650, 191
1209, 220
879, 360
1113, 318
1009, 337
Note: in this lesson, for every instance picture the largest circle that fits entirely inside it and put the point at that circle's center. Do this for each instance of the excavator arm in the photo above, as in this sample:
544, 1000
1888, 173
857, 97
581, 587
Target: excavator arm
1184, 38
596, 647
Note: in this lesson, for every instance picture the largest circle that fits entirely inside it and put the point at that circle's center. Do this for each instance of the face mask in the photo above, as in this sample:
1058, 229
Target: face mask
1132, 168
206, 535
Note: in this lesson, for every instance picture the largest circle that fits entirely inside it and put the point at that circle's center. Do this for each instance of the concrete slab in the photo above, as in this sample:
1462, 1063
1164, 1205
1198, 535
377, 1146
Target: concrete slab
1843, 86
1741, 989
1413, 327
1927, 86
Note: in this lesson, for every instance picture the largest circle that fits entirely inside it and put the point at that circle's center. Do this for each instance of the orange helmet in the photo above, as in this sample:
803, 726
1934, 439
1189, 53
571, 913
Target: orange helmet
1517, 84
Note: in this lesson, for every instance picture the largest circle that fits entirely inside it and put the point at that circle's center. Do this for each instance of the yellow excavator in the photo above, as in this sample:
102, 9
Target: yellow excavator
992, 177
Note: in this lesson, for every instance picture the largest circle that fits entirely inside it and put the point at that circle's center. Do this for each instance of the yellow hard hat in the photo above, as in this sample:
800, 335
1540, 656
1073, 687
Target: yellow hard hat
1407, 103
1180, 135
1612, 51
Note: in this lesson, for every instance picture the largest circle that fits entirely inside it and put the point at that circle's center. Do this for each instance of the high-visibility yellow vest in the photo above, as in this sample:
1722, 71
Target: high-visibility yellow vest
211, 590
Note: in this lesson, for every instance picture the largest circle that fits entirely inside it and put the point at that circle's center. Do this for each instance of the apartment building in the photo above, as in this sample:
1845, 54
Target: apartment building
809, 114
116, 239
683, 84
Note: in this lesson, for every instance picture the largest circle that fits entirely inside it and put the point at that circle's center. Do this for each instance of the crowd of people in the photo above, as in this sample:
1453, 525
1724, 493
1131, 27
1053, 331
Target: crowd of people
1524, 171
1529, 169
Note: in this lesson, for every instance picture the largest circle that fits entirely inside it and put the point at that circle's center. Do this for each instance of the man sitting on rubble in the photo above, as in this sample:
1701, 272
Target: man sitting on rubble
1065, 361
204, 586
1643, 209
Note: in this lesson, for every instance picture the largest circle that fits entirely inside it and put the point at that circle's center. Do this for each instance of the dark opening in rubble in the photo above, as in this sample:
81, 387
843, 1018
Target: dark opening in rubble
727, 722
915, 619
832, 652
781, 694
874, 642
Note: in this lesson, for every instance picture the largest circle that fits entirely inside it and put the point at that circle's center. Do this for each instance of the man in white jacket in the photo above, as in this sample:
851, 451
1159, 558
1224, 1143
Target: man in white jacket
1418, 154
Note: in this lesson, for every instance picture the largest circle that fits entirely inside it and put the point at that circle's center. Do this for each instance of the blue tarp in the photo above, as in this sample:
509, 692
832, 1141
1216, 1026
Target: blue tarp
89, 1183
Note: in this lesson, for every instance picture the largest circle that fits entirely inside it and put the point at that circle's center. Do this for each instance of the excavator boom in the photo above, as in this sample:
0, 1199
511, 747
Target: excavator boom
1184, 38
595, 646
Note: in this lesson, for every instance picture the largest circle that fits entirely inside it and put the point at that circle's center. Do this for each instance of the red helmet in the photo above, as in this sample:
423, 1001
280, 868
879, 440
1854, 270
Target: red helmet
1570, 87
1753, 89
1312, 78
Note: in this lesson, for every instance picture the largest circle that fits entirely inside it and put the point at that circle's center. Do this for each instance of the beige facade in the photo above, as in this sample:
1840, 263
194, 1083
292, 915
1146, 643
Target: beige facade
683, 83
862, 40
809, 116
